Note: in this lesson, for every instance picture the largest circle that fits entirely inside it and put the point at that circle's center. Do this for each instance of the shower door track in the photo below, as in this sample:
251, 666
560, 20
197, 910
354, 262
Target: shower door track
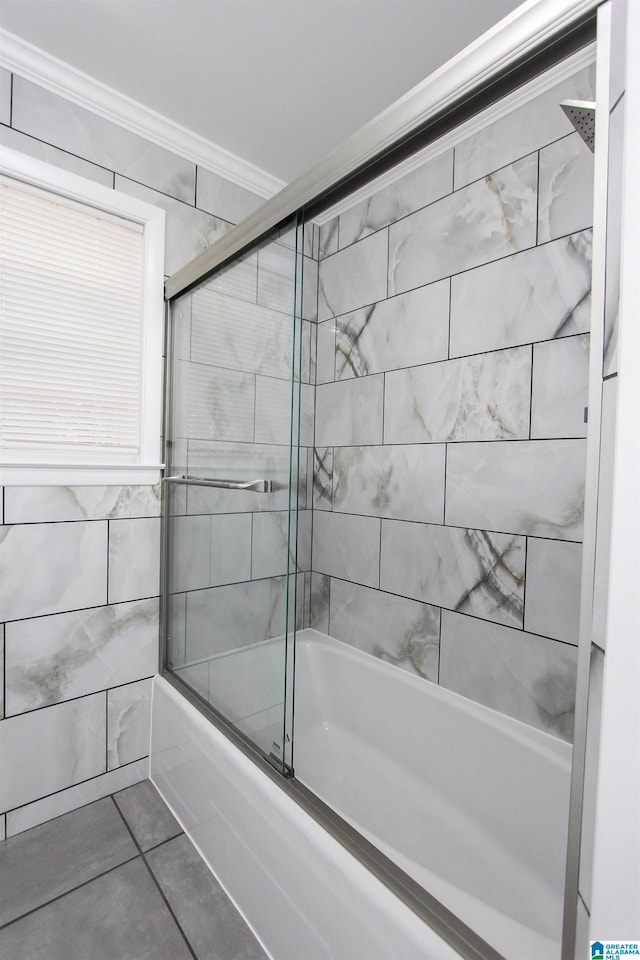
523, 46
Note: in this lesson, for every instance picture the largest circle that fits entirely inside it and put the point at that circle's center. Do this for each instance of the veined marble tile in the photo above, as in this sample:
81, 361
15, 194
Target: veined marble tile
240, 461
491, 218
46, 504
210, 550
5, 96
614, 240
309, 289
49, 117
32, 583
48, 750
398, 631
272, 553
467, 570
276, 277
2, 674
214, 404
403, 331
237, 335
224, 199
323, 478
129, 719
349, 412
605, 509
306, 433
354, 277
239, 279
228, 617
188, 231
320, 595
484, 397
566, 188
554, 569
177, 626
273, 410
540, 294
401, 482
64, 801
56, 658
15, 140
560, 387
527, 677
428, 182
326, 356
307, 330
328, 238
534, 488
526, 128
134, 559
347, 547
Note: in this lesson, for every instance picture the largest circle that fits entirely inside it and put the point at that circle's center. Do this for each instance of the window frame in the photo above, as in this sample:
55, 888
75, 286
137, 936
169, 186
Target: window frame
147, 466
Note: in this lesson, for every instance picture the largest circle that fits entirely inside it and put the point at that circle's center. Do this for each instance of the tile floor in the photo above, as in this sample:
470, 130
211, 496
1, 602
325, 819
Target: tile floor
115, 880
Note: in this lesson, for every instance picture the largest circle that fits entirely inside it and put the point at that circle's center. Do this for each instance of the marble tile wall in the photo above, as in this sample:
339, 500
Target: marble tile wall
451, 385
79, 566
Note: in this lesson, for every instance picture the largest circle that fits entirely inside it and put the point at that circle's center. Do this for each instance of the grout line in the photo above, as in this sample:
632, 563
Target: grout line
81, 696
439, 645
156, 883
531, 393
380, 556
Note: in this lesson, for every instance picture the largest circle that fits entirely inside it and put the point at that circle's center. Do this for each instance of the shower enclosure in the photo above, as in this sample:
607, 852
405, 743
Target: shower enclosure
378, 401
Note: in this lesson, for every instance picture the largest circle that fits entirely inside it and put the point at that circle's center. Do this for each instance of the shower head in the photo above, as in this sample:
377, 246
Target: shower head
582, 114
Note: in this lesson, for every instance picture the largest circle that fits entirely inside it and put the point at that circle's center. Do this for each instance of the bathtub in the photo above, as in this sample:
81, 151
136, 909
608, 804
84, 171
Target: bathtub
470, 803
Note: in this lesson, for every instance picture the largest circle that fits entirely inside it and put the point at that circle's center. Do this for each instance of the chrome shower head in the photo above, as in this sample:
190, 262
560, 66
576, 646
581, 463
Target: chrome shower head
582, 114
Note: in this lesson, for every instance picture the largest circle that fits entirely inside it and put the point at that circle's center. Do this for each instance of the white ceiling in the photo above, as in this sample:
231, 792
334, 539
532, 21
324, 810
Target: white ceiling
277, 82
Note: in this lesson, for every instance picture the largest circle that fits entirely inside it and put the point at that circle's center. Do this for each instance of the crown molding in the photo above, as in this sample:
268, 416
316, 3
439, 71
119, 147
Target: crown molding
36, 65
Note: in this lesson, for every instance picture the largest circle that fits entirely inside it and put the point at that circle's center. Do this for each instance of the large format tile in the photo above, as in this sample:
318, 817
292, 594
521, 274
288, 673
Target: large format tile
328, 242
51, 749
187, 231
147, 815
540, 294
274, 548
209, 550
115, 917
403, 331
347, 547
273, 410
354, 277
49, 117
566, 188
560, 389
215, 929
319, 607
31, 585
238, 461
350, 412
527, 127
46, 504
40, 811
554, 569
224, 199
419, 187
401, 482
468, 570
55, 658
276, 276
128, 722
491, 218
55, 857
485, 397
534, 488
134, 559
530, 678
214, 404
399, 631
322, 478
15, 140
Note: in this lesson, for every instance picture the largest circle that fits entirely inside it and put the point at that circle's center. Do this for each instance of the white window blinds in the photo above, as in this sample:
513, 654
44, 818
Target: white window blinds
71, 330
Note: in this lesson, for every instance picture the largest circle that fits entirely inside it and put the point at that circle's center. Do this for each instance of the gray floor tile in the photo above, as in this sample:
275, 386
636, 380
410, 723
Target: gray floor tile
51, 859
148, 816
215, 929
119, 916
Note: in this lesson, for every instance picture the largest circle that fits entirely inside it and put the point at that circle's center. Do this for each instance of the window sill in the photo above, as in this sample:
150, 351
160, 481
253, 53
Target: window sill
79, 475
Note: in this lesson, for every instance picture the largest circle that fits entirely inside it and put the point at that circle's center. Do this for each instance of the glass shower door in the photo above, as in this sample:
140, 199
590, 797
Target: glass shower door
231, 493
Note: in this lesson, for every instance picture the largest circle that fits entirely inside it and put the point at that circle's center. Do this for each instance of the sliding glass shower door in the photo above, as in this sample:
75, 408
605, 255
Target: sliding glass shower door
231, 492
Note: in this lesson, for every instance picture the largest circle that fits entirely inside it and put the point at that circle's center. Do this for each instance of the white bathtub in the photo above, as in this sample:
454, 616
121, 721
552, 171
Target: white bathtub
470, 803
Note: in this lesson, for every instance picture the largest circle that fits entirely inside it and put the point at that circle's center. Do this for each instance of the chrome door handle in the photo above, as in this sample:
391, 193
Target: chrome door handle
256, 486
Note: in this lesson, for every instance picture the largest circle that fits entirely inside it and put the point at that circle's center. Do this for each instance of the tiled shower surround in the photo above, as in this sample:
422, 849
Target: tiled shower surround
452, 369
79, 567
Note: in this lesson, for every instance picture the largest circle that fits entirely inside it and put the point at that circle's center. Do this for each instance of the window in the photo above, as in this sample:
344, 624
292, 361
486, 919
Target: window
81, 317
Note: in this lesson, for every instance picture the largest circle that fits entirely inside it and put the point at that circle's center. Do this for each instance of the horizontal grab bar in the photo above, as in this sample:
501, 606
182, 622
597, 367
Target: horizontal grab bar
256, 486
